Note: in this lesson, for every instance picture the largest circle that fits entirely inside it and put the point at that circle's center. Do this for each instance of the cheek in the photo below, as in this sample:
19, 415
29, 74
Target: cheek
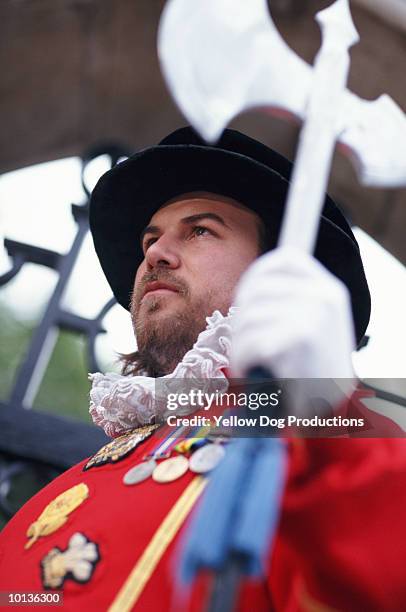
235, 262
140, 273
221, 271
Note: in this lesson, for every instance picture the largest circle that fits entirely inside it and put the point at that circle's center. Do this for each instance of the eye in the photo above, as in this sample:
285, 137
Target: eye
148, 243
199, 230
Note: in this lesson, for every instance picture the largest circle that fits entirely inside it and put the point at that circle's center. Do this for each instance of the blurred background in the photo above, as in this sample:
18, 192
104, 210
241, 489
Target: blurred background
81, 89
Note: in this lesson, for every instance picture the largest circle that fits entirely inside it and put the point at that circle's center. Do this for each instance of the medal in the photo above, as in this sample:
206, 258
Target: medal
171, 469
139, 472
145, 469
206, 458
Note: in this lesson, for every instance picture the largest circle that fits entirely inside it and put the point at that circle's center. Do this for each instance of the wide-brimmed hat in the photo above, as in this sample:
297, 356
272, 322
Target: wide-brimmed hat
239, 167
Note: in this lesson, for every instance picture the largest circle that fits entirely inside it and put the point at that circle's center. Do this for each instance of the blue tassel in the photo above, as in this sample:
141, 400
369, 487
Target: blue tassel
240, 509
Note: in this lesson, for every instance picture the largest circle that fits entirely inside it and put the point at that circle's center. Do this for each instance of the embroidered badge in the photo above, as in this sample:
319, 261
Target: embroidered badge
120, 447
56, 513
77, 562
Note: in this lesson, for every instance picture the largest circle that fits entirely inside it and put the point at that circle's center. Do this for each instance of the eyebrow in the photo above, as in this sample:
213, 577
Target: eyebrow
154, 229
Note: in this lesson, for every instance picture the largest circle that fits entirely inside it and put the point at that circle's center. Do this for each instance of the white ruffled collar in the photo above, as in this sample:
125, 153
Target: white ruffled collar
119, 403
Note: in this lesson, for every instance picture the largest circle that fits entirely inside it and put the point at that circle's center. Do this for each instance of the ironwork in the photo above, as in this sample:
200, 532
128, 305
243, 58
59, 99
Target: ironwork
32, 441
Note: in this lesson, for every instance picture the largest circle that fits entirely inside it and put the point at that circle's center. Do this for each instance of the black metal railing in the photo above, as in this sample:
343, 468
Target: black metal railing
36, 446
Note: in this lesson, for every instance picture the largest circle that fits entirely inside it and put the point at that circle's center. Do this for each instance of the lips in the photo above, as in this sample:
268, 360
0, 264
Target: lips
157, 286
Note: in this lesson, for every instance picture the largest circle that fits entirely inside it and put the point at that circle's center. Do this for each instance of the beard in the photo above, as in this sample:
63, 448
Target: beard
163, 340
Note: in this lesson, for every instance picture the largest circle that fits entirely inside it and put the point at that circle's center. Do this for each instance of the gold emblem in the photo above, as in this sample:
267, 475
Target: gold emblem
56, 513
77, 562
120, 447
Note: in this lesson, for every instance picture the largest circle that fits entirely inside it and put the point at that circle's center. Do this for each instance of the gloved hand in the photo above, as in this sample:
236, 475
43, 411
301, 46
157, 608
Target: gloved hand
294, 318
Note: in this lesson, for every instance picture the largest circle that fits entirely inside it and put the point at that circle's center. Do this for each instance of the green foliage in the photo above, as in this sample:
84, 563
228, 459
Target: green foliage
64, 388
14, 339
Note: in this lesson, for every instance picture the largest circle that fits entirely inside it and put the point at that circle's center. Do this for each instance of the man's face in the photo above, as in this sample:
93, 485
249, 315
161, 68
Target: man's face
195, 248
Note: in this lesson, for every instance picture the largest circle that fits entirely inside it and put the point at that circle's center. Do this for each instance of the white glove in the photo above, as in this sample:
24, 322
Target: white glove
294, 318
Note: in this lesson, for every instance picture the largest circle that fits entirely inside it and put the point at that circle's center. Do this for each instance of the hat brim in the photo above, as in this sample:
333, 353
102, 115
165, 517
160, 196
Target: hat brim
126, 197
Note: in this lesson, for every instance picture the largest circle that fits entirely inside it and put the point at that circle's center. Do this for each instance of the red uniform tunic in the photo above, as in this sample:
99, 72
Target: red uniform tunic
340, 544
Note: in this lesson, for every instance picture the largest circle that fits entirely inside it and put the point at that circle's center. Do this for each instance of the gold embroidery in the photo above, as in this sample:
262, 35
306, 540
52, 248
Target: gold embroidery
56, 513
120, 447
146, 564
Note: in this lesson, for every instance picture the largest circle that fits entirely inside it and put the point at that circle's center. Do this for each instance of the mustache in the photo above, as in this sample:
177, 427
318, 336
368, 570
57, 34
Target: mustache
159, 275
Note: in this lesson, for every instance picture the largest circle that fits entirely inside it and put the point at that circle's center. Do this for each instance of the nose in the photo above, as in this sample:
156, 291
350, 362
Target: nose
163, 252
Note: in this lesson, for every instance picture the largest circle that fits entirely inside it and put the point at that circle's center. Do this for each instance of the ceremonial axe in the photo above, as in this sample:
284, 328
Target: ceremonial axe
221, 57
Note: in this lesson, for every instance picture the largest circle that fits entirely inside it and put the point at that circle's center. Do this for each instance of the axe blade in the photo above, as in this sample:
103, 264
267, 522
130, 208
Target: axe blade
215, 58
374, 138
222, 57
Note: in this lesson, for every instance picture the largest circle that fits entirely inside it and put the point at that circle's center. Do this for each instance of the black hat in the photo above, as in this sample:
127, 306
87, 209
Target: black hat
239, 167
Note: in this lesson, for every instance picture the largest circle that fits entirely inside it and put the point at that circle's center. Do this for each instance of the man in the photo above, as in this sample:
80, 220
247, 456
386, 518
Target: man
175, 227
